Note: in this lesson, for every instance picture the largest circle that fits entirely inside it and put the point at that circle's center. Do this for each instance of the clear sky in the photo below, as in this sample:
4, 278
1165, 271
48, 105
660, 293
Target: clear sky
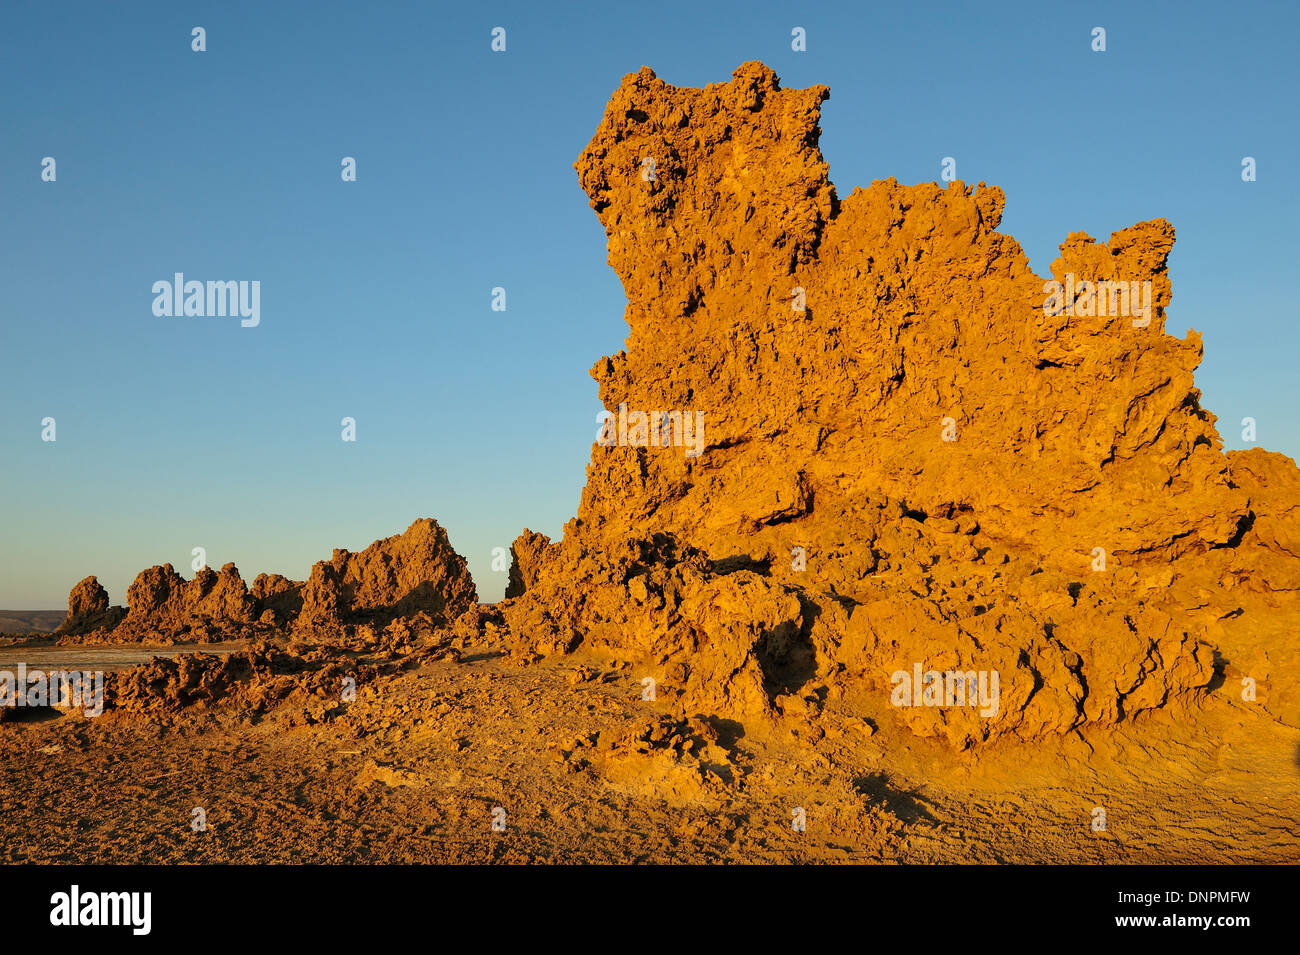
375, 294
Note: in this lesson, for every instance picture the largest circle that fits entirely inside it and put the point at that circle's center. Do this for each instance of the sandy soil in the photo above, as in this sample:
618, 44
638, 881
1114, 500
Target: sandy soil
587, 771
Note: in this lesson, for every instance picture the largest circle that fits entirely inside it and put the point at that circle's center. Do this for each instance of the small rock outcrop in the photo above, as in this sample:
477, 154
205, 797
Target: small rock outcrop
526, 556
277, 596
161, 600
413, 572
88, 609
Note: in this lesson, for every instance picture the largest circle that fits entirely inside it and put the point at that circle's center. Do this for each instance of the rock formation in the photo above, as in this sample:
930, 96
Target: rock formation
87, 598
277, 596
851, 442
909, 454
161, 601
395, 577
890, 551
88, 609
416, 572
527, 554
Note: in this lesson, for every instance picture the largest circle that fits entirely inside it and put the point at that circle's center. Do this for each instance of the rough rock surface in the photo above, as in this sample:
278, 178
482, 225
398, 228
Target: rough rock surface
416, 571
260, 675
279, 596
918, 465
527, 554
164, 607
88, 609
160, 599
87, 598
414, 575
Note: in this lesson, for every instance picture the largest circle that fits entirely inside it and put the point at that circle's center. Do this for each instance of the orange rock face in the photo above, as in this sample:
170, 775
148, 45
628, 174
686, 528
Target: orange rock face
527, 554
163, 607
87, 598
416, 571
160, 595
278, 595
899, 448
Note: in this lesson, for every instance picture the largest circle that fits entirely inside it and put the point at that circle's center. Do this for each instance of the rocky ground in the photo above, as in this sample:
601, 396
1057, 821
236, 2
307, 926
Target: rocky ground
588, 771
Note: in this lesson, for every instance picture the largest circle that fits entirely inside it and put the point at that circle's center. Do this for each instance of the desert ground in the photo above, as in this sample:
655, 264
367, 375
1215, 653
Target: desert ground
588, 771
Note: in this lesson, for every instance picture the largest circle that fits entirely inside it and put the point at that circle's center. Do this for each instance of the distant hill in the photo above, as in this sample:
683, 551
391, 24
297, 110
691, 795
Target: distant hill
30, 621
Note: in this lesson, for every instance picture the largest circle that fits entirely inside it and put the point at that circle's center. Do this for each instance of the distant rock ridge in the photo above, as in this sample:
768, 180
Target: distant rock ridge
400, 576
417, 571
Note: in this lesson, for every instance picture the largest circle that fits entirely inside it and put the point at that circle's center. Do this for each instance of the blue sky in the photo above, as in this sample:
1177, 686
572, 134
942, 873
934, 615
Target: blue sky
177, 433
